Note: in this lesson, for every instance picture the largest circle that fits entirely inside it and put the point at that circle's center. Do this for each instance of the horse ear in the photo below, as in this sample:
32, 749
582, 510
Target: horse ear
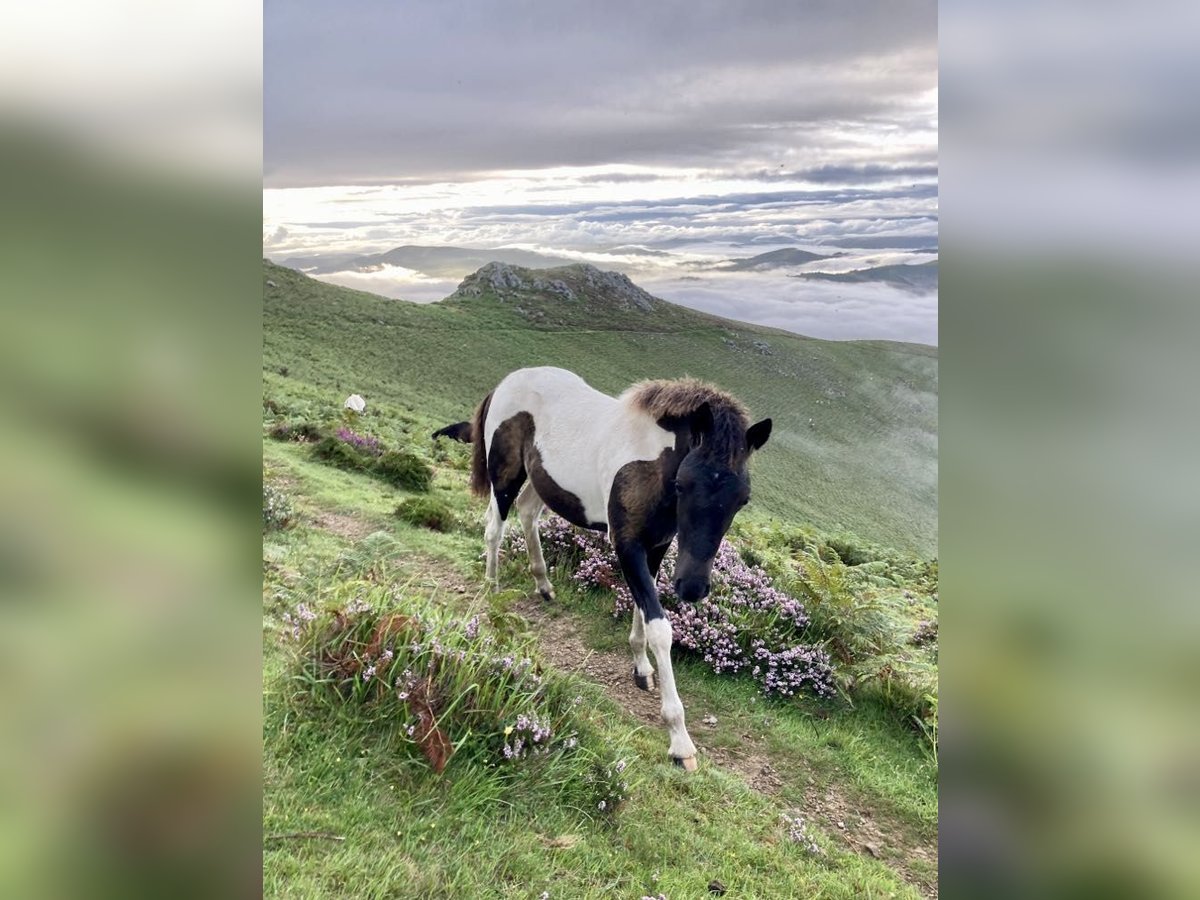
757, 434
702, 419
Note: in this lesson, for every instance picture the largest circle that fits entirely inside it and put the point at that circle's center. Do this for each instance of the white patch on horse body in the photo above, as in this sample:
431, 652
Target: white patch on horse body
584, 436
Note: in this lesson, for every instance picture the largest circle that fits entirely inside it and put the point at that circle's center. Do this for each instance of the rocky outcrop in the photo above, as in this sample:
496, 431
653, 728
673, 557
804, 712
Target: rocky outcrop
574, 284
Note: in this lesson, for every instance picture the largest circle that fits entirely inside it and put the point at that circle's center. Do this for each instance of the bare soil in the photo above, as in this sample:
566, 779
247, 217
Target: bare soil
349, 527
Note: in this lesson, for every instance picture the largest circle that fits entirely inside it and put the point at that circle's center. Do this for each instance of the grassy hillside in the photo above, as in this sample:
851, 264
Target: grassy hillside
855, 441
393, 681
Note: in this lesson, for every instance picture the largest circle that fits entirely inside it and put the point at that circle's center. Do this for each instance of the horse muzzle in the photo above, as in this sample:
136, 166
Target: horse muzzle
689, 590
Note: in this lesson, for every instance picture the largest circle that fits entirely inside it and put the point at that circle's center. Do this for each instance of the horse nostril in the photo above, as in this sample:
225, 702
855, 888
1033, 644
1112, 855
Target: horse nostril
704, 590
678, 584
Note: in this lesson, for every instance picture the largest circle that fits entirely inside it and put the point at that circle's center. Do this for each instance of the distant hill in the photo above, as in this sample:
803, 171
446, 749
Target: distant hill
918, 278
855, 440
436, 262
918, 242
775, 259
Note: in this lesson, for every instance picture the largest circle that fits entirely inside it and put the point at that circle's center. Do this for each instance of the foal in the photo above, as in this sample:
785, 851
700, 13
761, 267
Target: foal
664, 459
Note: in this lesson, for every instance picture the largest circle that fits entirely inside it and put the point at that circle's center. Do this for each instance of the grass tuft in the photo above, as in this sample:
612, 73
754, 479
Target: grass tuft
457, 696
278, 512
404, 469
428, 512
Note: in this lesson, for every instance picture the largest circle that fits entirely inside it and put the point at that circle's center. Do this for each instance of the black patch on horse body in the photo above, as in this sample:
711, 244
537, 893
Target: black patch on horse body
513, 457
641, 506
505, 467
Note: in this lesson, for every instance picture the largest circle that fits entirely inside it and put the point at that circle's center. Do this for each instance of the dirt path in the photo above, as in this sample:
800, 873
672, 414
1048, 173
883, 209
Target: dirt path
827, 806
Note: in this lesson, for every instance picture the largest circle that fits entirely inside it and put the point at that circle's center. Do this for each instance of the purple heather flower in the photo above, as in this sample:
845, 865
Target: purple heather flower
798, 833
365, 443
745, 621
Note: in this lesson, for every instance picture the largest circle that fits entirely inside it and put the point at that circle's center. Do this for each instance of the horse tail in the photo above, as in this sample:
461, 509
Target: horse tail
459, 431
480, 483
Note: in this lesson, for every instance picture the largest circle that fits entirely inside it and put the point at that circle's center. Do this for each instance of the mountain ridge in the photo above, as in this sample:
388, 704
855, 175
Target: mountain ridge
912, 277
774, 259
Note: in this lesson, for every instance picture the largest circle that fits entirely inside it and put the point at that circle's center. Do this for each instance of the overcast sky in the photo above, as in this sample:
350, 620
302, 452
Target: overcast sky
563, 125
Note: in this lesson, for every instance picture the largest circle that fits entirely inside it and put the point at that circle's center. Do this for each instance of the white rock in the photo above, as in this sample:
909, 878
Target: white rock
356, 403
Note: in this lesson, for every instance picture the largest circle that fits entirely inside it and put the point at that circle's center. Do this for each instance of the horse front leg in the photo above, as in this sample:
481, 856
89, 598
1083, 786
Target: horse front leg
643, 672
635, 567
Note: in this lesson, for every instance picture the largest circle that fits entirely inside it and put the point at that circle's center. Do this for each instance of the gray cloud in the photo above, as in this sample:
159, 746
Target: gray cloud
375, 92
847, 174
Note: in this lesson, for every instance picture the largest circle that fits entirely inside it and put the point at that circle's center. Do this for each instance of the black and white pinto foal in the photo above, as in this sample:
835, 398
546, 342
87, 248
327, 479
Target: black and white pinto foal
664, 459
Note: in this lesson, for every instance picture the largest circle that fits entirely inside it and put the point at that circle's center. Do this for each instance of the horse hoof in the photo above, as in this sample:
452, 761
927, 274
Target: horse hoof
548, 596
687, 763
644, 682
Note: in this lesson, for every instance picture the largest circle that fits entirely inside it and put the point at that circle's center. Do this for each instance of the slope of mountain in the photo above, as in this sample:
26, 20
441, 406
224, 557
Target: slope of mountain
775, 259
919, 278
855, 440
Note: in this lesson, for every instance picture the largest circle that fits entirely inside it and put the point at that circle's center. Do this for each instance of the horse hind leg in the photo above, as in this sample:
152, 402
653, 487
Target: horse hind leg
493, 535
505, 474
529, 507
643, 672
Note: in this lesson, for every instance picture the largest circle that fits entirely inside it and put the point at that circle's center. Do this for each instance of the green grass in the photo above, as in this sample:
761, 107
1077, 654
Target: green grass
409, 833
866, 463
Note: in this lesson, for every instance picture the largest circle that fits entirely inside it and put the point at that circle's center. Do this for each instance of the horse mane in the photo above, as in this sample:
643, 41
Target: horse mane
680, 398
